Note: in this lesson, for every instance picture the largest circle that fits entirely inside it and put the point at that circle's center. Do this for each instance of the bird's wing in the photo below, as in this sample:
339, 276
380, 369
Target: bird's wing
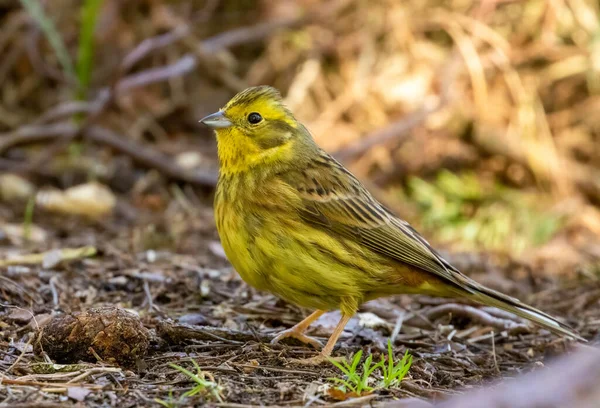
334, 200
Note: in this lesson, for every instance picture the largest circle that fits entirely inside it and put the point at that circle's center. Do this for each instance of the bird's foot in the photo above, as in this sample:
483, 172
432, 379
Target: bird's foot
299, 336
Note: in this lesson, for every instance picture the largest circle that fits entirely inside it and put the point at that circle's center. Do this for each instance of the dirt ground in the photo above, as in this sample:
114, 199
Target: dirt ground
192, 284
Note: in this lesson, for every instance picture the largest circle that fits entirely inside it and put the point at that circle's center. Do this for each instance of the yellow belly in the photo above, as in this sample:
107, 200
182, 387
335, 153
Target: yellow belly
274, 250
296, 262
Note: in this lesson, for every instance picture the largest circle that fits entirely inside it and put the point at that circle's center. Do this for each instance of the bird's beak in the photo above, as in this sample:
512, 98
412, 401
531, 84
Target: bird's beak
216, 120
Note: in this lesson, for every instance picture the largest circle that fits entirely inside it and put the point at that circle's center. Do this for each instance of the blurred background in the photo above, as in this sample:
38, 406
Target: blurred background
478, 121
475, 120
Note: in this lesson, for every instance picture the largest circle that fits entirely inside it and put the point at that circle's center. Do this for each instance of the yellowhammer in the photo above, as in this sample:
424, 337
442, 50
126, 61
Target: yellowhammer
294, 222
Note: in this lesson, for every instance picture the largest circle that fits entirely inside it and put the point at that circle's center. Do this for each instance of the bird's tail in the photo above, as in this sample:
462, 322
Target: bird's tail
490, 297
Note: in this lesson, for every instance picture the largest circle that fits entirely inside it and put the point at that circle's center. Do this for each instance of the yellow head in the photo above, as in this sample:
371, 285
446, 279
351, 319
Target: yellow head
256, 128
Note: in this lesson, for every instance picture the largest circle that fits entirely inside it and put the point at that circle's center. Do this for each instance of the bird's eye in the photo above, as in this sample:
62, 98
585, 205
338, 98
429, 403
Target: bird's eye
254, 118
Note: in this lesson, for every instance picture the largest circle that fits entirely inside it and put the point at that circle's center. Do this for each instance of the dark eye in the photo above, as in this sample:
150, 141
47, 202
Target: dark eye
254, 118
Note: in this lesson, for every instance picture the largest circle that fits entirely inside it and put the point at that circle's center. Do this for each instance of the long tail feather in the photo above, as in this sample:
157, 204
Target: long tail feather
490, 297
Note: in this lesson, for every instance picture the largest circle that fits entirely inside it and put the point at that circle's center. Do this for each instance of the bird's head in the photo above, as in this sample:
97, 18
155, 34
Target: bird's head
255, 128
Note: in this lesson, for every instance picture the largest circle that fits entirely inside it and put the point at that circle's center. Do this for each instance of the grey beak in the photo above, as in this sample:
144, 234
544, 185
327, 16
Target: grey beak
216, 120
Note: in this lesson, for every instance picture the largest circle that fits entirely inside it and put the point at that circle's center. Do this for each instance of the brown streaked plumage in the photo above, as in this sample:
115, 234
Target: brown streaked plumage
295, 222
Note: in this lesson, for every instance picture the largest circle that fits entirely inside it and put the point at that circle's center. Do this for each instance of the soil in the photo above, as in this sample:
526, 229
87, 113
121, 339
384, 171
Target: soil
195, 307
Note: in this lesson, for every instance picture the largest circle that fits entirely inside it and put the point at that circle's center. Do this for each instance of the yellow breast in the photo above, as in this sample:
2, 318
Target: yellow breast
273, 249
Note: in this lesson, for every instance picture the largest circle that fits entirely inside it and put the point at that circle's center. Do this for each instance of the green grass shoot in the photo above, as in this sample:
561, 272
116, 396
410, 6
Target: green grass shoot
393, 372
28, 218
359, 381
203, 386
354, 381
82, 72
85, 55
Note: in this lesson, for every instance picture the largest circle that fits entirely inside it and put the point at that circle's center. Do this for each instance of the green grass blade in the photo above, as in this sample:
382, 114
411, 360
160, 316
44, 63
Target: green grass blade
35, 10
356, 360
85, 54
28, 218
390, 356
340, 366
188, 373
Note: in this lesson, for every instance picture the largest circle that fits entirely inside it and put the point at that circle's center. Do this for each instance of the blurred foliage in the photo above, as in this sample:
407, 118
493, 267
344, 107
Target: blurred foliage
511, 91
82, 72
46, 24
89, 15
457, 208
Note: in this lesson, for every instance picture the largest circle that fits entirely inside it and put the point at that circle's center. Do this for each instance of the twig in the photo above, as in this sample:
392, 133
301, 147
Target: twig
477, 315
494, 352
54, 291
150, 158
278, 370
253, 33
95, 370
34, 405
9, 381
52, 257
182, 333
185, 64
35, 134
139, 153
152, 44
67, 109
148, 293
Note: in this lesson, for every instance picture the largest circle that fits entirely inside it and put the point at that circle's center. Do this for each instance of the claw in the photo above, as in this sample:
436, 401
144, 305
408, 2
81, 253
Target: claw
299, 336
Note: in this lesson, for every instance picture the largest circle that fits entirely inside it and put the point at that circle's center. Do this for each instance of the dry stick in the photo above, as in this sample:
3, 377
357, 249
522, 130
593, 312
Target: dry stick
143, 155
185, 64
251, 34
182, 333
477, 315
151, 44
9, 381
34, 405
149, 157
67, 109
34, 134
95, 370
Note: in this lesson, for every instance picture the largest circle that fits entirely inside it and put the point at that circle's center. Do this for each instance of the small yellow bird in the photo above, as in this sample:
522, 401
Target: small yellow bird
293, 221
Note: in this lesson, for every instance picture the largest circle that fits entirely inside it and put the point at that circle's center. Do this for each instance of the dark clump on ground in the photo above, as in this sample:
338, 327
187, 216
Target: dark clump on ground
105, 333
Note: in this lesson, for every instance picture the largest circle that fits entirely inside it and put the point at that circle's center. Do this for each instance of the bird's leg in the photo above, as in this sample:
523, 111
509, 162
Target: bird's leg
326, 352
297, 332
